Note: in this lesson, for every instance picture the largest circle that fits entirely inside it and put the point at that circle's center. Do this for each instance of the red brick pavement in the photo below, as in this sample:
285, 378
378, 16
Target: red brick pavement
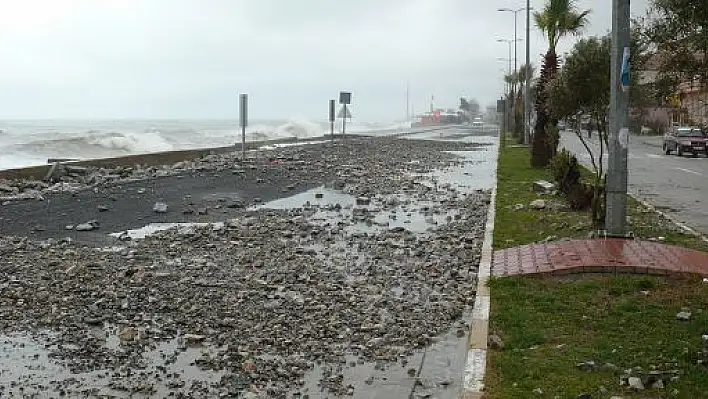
609, 255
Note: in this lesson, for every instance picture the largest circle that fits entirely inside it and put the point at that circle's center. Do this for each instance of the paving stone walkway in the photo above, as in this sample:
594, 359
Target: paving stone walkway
608, 255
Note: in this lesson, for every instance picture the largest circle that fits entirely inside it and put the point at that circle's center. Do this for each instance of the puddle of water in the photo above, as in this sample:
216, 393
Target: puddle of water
283, 145
477, 171
440, 375
319, 197
28, 369
330, 208
150, 229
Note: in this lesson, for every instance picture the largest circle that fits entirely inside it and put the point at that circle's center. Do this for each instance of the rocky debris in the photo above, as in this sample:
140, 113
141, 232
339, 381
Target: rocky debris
656, 378
683, 316
56, 172
635, 383
275, 292
495, 342
160, 207
543, 187
88, 226
538, 204
589, 365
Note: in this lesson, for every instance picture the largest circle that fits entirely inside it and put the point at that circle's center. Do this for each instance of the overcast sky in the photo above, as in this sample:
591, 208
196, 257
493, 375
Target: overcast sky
191, 58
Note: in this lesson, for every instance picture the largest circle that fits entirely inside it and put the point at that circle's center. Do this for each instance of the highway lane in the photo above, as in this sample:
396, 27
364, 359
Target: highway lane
676, 185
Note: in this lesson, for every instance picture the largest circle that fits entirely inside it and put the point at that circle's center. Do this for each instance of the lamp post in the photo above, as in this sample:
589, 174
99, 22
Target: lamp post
512, 85
526, 89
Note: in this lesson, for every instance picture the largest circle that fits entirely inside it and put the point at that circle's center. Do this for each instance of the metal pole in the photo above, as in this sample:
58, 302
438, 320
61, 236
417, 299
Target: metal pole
616, 213
344, 121
513, 87
243, 107
510, 106
527, 90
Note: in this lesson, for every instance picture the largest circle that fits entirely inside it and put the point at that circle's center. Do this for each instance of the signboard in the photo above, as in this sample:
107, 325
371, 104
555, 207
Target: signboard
243, 110
501, 106
625, 74
331, 110
345, 97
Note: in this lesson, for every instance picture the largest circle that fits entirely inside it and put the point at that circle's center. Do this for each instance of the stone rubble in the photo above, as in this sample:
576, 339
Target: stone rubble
274, 292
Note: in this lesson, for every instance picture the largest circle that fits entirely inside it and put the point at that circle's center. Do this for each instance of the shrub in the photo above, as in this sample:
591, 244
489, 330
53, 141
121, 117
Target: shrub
560, 165
580, 196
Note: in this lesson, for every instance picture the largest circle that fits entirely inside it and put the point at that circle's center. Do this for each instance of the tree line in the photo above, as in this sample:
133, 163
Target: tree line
671, 40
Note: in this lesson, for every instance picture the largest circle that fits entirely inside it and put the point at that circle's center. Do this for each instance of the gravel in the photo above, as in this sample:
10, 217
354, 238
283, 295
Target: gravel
372, 265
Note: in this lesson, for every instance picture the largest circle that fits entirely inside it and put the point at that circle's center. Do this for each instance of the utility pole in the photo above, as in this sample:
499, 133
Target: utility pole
527, 85
616, 212
516, 75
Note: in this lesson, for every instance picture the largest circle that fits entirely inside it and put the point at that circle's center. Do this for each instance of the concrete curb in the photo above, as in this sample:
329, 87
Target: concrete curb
671, 219
476, 363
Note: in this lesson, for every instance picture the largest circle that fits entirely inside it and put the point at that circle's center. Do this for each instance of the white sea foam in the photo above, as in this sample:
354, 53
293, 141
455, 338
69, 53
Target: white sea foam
28, 143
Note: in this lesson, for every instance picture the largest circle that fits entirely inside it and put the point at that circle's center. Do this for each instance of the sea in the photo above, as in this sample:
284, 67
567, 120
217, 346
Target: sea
32, 142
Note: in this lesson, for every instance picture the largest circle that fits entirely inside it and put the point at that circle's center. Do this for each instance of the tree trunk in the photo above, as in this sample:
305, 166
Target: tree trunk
544, 140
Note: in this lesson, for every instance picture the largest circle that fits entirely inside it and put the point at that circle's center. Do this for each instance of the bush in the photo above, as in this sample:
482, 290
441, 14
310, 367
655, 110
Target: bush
580, 196
560, 165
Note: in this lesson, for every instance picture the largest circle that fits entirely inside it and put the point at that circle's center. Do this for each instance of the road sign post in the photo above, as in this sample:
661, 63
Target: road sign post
345, 98
243, 118
331, 118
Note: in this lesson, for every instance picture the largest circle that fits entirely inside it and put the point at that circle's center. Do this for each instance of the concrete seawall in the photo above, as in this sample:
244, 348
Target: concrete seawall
171, 157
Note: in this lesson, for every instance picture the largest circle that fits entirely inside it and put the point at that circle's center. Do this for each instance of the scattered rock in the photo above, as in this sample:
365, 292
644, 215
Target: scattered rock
635, 383
683, 316
128, 334
537, 204
88, 226
160, 207
363, 201
495, 342
543, 187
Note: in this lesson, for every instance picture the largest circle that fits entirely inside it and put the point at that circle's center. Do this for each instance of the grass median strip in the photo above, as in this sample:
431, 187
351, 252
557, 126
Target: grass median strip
586, 334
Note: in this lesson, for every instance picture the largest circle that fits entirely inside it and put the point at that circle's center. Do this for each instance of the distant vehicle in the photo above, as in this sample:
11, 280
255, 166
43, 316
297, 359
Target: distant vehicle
685, 139
478, 122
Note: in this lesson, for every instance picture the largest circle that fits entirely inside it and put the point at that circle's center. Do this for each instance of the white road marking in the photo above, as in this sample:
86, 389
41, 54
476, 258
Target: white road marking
690, 171
654, 156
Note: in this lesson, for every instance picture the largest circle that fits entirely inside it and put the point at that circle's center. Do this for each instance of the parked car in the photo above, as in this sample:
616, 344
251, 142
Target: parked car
685, 139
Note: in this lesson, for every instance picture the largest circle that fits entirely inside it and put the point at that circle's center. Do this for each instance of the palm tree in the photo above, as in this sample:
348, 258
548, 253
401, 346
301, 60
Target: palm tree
518, 80
558, 18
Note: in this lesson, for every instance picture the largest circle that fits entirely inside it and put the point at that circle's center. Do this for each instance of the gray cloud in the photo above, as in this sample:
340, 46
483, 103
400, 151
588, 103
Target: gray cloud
190, 58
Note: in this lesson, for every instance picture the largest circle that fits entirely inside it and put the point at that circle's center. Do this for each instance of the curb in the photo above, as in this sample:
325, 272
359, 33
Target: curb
682, 226
671, 219
476, 362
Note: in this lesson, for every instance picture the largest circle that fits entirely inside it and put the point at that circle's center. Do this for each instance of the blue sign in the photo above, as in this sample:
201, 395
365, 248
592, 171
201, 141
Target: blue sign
625, 74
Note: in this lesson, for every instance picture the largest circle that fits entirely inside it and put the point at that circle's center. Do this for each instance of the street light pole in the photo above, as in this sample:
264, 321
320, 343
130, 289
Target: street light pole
527, 85
616, 212
516, 12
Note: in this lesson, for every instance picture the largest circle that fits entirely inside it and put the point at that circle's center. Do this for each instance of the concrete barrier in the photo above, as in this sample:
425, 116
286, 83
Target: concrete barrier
172, 157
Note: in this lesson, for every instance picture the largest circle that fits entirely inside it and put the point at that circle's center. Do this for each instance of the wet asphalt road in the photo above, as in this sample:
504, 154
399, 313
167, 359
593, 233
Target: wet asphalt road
676, 185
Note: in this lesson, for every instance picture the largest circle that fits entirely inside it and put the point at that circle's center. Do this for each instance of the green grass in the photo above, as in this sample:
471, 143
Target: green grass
513, 227
549, 325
